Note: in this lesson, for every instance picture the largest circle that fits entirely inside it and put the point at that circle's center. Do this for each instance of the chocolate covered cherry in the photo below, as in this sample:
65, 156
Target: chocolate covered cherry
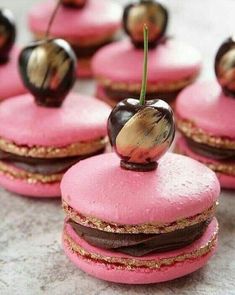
142, 12
225, 66
141, 132
47, 68
7, 33
74, 3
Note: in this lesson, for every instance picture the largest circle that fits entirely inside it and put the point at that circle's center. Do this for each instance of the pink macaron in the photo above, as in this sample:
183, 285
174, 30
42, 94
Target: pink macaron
41, 143
117, 67
46, 131
145, 219
176, 200
11, 83
86, 24
206, 119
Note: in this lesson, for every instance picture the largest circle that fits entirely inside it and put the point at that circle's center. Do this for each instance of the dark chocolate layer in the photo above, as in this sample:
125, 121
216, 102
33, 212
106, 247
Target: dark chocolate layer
141, 244
43, 166
118, 95
211, 152
88, 51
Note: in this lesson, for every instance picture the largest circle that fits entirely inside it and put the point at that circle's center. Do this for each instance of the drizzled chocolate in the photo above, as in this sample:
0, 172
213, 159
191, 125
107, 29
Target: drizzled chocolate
43, 166
141, 244
210, 151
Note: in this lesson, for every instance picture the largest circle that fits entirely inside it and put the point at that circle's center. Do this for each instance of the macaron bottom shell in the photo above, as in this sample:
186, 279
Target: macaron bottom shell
226, 181
142, 275
24, 188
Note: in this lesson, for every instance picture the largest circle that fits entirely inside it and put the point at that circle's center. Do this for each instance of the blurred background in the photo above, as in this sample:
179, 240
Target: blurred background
203, 24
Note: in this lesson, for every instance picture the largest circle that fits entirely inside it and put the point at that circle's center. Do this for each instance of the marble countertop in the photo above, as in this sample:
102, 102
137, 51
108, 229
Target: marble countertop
31, 258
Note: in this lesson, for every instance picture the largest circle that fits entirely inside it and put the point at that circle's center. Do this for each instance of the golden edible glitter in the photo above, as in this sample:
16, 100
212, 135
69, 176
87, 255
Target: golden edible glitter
31, 178
151, 88
133, 263
75, 149
147, 228
190, 130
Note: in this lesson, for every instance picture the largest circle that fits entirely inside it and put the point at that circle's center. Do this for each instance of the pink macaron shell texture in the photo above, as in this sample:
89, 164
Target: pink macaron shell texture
80, 118
205, 104
170, 61
179, 188
97, 17
11, 84
226, 181
22, 187
141, 276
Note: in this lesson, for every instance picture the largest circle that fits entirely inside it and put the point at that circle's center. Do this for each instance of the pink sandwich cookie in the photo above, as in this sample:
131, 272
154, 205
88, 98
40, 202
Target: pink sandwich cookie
146, 219
206, 118
11, 84
172, 63
86, 24
48, 135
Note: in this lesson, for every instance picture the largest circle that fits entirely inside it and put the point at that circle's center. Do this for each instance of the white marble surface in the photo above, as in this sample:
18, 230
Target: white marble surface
31, 259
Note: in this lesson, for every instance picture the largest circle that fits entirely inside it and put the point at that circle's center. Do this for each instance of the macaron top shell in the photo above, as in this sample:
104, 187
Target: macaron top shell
80, 118
11, 83
208, 108
179, 188
170, 61
96, 17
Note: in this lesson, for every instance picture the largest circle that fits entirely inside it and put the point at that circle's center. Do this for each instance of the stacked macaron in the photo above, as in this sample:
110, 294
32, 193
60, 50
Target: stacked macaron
145, 219
173, 64
206, 118
86, 24
46, 136
10, 79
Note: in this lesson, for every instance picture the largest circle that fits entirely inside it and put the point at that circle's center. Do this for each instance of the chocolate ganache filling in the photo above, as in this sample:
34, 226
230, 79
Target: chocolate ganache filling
118, 95
140, 244
43, 166
210, 151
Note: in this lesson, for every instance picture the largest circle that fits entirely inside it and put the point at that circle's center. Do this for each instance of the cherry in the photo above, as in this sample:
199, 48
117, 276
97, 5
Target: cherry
7, 34
141, 132
47, 69
225, 66
148, 12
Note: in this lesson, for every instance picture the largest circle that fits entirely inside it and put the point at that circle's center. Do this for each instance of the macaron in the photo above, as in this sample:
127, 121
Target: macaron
139, 227
86, 24
206, 118
173, 64
145, 219
8, 57
52, 128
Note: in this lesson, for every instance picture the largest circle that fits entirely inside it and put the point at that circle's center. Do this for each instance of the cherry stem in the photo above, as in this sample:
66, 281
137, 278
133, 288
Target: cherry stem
52, 18
145, 67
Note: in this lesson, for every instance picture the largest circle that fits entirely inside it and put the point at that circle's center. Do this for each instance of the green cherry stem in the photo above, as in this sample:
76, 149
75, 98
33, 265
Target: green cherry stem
52, 18
145, 67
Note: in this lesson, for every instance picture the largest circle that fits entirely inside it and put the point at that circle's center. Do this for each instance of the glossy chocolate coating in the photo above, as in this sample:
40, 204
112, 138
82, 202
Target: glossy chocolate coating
145, 12
225, 66
141, 244
74, 3
7, 33
48, 70
141, 134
